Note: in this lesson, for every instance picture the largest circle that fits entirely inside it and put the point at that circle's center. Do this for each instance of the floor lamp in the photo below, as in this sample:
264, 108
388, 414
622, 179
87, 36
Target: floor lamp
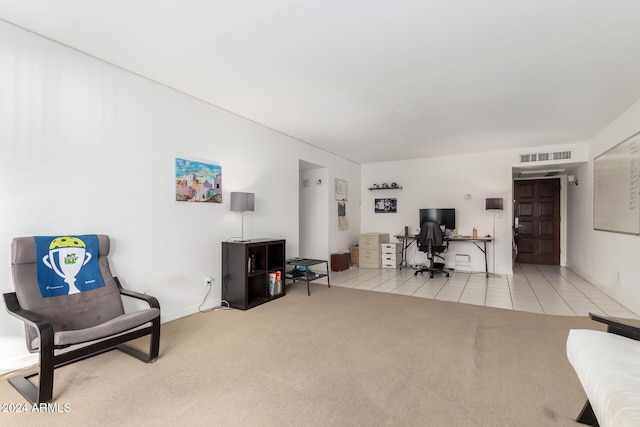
494, 205
241, 202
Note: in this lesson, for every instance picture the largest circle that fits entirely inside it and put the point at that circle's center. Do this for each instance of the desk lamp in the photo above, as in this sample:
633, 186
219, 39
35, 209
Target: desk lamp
241, 202
494, 205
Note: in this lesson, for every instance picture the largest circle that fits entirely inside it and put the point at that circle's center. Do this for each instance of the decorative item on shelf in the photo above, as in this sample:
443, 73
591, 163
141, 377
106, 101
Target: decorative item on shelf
272, 284
278, 282
385, 186
241, 202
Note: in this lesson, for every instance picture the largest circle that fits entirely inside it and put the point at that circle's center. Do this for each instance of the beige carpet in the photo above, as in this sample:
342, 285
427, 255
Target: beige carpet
341, 357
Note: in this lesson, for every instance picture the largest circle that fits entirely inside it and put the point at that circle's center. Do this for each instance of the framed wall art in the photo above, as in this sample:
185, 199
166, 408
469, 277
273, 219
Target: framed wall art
386, 205
341, 190
198, 181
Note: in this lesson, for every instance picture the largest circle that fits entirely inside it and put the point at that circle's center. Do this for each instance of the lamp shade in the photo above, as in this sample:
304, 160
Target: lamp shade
241, 202
494, 204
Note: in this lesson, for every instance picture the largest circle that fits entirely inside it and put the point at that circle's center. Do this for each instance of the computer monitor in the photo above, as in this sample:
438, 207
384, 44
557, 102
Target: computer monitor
446, 217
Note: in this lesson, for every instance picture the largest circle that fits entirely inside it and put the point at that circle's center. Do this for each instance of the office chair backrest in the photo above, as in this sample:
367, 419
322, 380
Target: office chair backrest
430, 236
67, 312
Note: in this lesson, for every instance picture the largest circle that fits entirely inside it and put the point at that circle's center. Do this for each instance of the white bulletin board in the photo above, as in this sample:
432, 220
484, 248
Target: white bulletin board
616, 188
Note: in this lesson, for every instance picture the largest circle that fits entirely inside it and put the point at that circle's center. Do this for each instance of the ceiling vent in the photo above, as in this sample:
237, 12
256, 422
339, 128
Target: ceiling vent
545, 157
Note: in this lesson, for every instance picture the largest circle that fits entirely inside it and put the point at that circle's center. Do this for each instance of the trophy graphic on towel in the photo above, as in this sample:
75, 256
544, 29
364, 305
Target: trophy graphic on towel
67, 255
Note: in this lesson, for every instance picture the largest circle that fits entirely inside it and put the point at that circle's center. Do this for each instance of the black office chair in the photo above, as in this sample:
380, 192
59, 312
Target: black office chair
431, 241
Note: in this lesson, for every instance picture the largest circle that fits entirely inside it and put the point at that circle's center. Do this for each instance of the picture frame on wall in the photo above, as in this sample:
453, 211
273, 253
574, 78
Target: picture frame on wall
341, 190
198, 182
386, 205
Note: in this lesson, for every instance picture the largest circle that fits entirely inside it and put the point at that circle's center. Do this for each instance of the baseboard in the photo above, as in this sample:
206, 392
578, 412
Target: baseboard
19, 361
188, 311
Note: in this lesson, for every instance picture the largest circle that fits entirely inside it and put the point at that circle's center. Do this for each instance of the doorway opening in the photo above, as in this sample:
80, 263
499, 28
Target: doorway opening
536, 221
313, 210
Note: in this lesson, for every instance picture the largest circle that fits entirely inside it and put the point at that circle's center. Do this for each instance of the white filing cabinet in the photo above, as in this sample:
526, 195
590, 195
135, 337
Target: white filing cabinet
391, 255
370, 255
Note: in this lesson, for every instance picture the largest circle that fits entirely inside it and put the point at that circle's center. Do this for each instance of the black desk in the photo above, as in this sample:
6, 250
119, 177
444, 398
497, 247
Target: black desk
309, 275
475, 241
408, 239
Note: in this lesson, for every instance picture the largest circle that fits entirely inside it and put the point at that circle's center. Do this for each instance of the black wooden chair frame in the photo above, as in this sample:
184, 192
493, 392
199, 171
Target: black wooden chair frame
49, 361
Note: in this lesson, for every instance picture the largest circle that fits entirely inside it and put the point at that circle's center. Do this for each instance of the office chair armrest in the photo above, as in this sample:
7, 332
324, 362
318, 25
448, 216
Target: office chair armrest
43, 325
618, 327
152, 301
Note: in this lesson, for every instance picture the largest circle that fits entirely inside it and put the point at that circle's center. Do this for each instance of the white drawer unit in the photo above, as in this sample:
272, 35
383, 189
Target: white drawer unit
390, 248
391, 260
390, 255
390, 265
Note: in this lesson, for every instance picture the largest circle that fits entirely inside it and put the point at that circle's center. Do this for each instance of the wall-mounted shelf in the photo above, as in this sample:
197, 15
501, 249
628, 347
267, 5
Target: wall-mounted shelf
388, 188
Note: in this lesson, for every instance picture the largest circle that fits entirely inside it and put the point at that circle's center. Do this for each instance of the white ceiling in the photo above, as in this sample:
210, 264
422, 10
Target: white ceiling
375, 80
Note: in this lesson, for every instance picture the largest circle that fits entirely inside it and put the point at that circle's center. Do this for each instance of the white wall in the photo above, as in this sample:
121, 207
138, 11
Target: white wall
88, 148
319, 213
603, 257
314, 217
442, 182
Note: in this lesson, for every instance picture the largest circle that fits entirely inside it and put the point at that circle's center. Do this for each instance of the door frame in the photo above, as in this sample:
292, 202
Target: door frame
313, 210
563, 211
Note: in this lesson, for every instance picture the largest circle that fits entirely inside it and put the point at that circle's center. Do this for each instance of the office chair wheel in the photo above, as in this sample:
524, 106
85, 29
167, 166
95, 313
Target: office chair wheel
447, 275
431, 276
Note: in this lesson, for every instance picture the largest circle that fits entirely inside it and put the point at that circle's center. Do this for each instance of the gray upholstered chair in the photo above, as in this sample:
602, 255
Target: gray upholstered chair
93, 317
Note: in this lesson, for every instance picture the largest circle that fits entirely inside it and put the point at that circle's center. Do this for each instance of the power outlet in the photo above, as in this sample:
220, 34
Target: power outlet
208, 281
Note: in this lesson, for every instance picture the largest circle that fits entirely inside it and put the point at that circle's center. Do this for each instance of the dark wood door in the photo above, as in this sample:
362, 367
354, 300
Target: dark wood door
537, 207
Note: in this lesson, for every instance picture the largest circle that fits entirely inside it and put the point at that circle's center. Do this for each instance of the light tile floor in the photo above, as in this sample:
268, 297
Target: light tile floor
545, 289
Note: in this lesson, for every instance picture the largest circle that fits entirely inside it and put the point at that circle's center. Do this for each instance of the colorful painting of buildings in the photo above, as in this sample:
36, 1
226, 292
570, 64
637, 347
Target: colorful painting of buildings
198, 182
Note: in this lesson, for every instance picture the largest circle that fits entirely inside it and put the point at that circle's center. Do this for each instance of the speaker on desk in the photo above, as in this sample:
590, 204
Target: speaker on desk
406, 230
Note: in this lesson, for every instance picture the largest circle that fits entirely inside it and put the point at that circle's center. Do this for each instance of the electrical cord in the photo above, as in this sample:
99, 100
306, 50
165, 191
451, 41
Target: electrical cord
219, 307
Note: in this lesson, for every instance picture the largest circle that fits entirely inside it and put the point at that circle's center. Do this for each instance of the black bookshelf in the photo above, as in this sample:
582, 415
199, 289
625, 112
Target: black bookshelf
246, 267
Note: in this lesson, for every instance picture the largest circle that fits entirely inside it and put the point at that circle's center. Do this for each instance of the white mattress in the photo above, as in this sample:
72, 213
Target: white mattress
608, 367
